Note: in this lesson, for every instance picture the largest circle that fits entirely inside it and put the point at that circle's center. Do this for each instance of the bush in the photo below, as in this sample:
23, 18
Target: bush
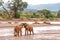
17, 15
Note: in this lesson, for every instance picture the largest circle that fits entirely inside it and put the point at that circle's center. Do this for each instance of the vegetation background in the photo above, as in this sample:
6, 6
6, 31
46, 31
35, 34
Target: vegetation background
16, 11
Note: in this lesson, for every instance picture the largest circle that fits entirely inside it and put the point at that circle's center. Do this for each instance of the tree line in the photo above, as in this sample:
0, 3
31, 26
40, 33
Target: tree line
45, 14
16, 8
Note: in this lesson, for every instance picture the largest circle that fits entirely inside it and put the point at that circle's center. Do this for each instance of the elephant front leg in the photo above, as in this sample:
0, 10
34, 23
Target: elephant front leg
18, 34
25, 32
15, 34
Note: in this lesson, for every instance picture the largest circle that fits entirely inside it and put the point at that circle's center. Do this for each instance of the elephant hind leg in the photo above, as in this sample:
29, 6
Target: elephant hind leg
27, 32
21, 33
32, 32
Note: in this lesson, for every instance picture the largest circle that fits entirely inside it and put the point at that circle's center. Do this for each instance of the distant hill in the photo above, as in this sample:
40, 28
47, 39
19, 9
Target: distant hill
52, 7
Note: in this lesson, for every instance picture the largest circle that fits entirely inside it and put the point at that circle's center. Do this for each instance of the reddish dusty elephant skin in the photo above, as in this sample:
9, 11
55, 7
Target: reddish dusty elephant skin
17, 30
28, 28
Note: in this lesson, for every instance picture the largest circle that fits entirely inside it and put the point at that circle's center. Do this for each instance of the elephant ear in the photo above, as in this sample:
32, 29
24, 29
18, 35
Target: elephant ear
21, 24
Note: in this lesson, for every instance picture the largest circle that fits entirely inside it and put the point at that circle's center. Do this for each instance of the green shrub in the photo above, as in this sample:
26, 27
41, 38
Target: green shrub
17, 15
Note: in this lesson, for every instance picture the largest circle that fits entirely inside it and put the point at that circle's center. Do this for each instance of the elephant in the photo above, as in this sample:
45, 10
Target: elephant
28, 28
17, 30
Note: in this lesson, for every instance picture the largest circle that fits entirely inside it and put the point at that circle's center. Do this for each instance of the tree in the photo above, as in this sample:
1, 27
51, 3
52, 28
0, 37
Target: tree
15, 6
35, 15
46, 13
2, 4
58, 14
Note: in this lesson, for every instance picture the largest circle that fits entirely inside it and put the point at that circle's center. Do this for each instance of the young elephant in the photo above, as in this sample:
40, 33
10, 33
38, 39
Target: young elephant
28, 28
17, 30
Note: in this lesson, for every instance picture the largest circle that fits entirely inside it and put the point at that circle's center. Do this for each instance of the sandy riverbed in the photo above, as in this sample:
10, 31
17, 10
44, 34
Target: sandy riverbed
42, 32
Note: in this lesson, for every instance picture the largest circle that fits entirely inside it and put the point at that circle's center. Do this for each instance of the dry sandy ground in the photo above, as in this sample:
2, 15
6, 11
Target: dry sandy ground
29, 37
2, 25
36, 36
34, 25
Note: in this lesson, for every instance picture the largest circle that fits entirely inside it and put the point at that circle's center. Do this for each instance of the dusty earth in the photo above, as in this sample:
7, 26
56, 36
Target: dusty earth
42, 32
